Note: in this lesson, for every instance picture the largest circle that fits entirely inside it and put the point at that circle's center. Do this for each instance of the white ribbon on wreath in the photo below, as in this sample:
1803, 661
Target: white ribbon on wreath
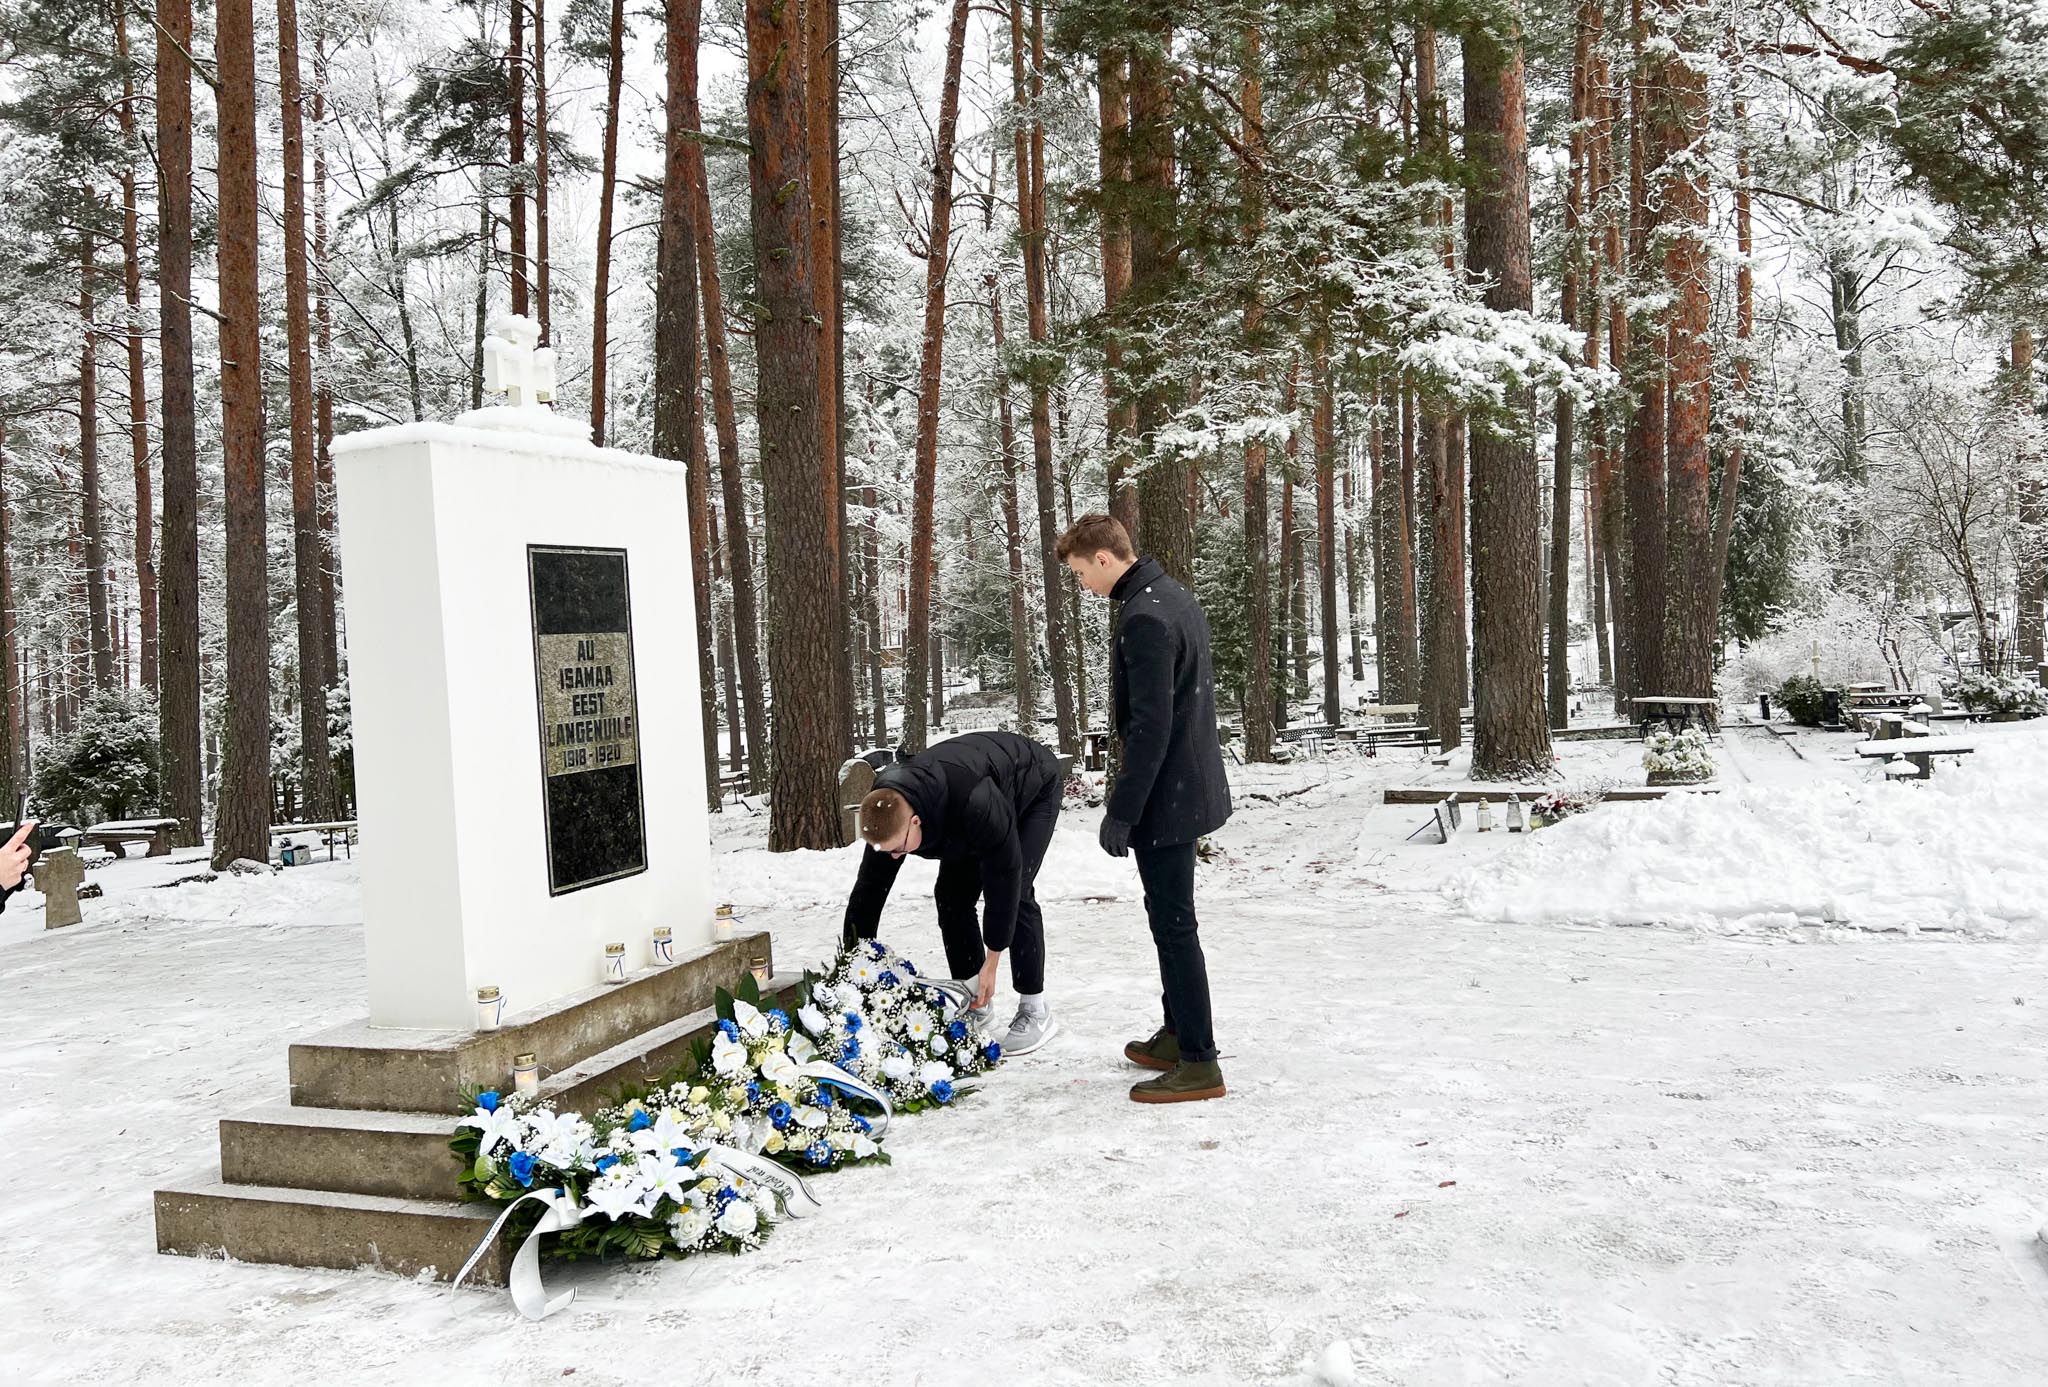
825, 1072
529, 1296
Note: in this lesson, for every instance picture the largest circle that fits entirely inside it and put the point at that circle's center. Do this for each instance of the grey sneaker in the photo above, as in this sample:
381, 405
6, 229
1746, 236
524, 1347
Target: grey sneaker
982, 1017
1028, 1031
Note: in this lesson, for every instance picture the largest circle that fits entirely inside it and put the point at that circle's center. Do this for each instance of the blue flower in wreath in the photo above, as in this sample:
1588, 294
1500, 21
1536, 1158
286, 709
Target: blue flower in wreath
943, 1091
683, 1154
778, 1020
605, 1163
849, 1052
823, 1098
818, 1153
957, 1032
909, 967
876, 946
753, 1091
640, 1120
726, 1194
488, 1100
853, 1023
992, 1052
779, 1115
731, 1028
522, 1164
862, 1124
889, 978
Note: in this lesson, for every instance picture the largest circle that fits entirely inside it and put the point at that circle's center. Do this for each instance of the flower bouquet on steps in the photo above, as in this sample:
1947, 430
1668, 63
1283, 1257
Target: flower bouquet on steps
877, 1017
1677, 758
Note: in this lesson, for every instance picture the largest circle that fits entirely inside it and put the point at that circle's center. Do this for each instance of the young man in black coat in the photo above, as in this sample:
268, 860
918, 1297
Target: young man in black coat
983, 804
1170, 789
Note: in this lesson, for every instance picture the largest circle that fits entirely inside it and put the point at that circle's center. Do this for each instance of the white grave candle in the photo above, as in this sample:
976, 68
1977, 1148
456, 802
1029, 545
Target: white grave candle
490, 1008
614, 963
526, 1076
722, 927
664, 947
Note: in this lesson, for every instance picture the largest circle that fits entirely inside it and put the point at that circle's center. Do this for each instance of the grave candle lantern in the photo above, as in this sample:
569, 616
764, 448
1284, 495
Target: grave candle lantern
1514, 813
725, 925
761, 971
614, 963
1485, 815
526, 1076
664, 946
490, 1008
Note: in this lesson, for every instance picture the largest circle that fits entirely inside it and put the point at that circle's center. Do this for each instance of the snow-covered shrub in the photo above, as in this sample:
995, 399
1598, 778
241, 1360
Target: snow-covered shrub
1998, 693
1681, 756
107, 765
1801, 698
1850, 635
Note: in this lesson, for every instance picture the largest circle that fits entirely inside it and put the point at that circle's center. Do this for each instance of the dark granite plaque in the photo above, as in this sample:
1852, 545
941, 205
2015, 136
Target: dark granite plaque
589, 715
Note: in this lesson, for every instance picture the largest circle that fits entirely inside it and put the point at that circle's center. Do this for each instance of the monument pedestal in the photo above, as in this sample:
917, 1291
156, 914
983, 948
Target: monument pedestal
354, 1170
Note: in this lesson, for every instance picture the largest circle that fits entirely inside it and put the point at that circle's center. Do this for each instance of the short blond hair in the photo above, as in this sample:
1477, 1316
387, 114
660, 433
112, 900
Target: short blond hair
884, 814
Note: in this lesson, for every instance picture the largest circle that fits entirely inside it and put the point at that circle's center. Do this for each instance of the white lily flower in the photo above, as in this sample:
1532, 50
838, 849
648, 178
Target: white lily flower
493, 1127
668, 1179
669, 1131
751, 1022
616, 1193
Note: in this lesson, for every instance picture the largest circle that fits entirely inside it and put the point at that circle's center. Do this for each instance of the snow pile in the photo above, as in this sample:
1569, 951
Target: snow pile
1961, 852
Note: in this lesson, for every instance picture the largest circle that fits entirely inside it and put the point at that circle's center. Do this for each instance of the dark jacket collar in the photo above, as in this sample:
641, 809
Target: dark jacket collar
1144, 571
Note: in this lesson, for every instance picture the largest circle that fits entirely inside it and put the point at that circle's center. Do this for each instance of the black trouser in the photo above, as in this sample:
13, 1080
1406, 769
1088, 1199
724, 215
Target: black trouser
1169, 877
959, 887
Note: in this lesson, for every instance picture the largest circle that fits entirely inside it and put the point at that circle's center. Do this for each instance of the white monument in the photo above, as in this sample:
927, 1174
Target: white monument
523, 672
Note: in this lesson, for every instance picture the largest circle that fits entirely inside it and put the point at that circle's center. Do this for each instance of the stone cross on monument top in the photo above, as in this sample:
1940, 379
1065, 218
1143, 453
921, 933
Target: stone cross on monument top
515, 366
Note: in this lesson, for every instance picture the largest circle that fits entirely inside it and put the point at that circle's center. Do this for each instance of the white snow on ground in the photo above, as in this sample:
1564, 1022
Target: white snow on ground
1475, 1151
1961, 851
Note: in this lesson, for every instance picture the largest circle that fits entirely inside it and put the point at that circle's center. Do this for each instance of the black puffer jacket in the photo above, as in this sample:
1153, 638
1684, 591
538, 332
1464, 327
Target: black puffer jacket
967, 792
1171, 788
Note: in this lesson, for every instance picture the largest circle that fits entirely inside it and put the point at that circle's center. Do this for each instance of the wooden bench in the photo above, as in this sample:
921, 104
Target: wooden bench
342, 831
1676, 712
1919, 751
1382, 712
115, 836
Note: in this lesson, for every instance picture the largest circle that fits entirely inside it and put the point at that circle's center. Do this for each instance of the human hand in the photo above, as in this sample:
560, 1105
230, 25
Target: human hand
1115, 836
15, 857
985, 982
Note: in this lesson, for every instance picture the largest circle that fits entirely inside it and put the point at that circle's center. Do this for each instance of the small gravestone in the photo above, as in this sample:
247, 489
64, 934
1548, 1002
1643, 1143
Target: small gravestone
856, 778
58, 876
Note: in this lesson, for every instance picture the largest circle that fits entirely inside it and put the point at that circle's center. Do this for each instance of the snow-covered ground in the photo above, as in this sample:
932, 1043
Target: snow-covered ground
1482, 1144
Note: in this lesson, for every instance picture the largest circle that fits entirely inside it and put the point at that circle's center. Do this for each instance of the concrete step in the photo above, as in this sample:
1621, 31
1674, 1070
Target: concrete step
200, 1216
397, 1155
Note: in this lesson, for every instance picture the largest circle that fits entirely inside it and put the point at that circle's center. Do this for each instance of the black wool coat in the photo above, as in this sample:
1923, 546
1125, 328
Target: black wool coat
1171, 788
967, 793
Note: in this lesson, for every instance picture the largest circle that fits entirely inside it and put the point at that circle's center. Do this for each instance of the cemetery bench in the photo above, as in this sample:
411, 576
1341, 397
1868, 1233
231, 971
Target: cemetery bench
1096, 742
1918, 751
115, 836
1389, 712
341, 831
1676, 713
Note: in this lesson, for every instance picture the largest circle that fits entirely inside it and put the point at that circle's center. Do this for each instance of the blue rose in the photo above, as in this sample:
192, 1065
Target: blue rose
853, 1022
819, 1153
779, 1115
726, 1194
522, 1164
849, 1052
605, 1163
731, 1028
488, 1100
640, 1120
862, 1123
778, 1020
889, 979
753, 1091
824, 1098
683, 1154
957, 1031
991, 1052
943, 1091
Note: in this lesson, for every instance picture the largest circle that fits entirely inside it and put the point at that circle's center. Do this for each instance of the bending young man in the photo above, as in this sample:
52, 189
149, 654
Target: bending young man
984, 805
1169, 791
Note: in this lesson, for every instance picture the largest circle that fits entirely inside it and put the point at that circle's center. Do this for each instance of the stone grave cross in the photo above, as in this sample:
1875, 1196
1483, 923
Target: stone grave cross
514, 366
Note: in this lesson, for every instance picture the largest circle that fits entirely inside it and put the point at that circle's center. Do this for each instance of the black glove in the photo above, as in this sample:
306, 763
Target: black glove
1115, 836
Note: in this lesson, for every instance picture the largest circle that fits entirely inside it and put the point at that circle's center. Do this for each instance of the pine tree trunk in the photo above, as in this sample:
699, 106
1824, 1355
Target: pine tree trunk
2031, 587
1440, 478
600, 313
1402, 594
540, 169
802, 582
1745, 332
1114, 145
1258, 698
1166, 522
870, 558
100, 635
323, 375
1688, 664
242, 814
178, 591
821, 94
1611, 505
1326, 523
1558, 654
1031, 217
13, 683
1648, 366
515, 106
1354, 576
1020, 619
138, 378
746, 618
316, 767
1510, 734
918, 643
677, 426
1398, 645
